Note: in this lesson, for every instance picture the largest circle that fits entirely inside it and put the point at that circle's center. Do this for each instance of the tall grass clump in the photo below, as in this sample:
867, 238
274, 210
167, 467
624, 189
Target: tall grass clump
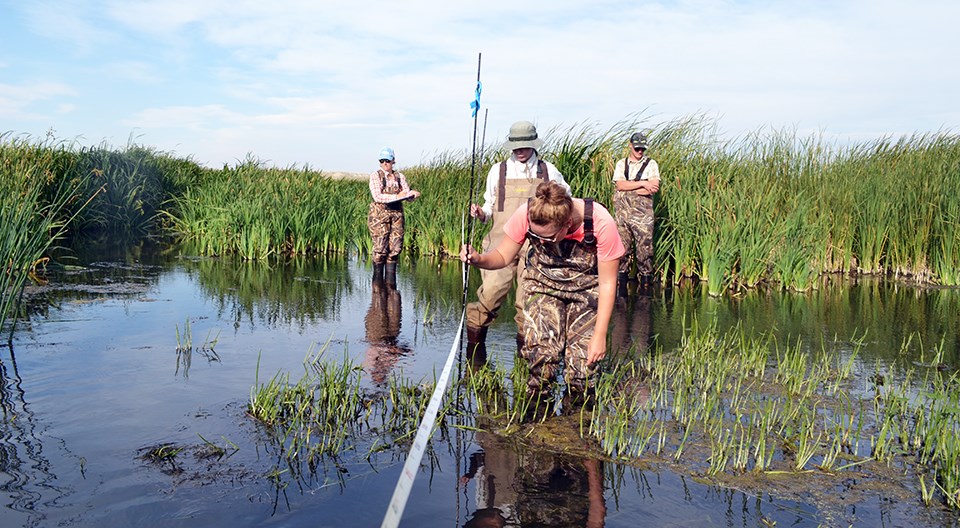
254, 211
35, 210
136, 182
436, 223
776, 208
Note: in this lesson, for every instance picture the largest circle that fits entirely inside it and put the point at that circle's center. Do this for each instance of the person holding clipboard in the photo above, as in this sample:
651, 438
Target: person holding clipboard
389, 189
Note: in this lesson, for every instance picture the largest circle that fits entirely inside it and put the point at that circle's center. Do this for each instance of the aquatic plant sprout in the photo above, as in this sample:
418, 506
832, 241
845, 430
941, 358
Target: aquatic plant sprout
720, 404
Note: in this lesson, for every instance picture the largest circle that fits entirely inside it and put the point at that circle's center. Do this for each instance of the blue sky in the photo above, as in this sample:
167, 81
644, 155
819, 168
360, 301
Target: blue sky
327, 83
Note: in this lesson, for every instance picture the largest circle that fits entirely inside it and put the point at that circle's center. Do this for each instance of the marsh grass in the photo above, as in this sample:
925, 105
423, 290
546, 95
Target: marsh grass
185, 347
770, 208
329, 413
751, 406
721, 404
254, 211
35, 210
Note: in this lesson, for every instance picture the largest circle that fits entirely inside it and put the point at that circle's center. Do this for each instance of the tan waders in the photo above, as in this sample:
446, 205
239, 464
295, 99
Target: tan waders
634, 216
511, 194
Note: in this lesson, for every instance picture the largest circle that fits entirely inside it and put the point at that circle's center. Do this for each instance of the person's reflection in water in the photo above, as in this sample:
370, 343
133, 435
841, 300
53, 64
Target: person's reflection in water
631, 326
523, 487
383, 327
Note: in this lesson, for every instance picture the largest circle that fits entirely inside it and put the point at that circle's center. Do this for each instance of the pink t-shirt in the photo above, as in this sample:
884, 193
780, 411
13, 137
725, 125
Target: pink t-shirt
609, 245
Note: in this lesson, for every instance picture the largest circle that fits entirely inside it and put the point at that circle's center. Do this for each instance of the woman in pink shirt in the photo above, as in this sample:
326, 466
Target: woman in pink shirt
569, 286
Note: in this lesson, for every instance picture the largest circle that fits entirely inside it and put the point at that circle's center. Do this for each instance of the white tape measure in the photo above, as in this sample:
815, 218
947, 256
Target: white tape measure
410, 467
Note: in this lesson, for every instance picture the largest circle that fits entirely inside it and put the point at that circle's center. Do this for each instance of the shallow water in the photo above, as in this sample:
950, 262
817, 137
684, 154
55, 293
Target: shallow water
93, 380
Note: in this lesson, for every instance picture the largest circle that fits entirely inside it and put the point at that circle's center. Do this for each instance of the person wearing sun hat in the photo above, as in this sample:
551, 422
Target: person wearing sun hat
636, 179
509, 184
389, 189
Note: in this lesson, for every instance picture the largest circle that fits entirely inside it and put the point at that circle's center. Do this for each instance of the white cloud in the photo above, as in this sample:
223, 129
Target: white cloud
21, 101
290, 79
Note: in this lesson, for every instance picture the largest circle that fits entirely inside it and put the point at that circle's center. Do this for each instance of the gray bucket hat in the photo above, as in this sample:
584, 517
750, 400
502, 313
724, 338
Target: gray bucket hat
639, 140
522, 134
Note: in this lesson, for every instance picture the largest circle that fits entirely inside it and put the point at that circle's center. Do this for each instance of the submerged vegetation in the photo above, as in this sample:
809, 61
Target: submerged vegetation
727, 408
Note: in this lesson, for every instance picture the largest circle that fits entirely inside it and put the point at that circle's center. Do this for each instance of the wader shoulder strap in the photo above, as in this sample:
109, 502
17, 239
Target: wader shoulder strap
542, 173
643, 167
589, 238
502, 186
383, 180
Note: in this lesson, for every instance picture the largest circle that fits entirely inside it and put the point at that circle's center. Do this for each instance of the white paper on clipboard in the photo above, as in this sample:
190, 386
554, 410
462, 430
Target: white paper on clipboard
394, 200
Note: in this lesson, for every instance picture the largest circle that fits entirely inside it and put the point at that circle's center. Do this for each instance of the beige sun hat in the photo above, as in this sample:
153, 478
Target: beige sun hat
522, 134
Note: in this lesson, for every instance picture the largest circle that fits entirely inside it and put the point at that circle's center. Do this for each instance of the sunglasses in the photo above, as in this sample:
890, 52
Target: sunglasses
639, 149
551, 239
386, 161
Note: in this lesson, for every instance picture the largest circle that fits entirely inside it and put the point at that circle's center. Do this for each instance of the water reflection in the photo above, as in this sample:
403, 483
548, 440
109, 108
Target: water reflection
25, 470
516, 486
382, 324
99, 377
298, 292
631, 323
887, 313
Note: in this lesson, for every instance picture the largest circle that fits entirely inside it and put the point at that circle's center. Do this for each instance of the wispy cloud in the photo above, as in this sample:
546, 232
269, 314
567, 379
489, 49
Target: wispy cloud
327, 83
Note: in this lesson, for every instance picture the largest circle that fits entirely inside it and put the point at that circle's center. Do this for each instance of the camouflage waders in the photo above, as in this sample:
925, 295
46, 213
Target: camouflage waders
634, 216
385, 222
560, 311
382, 324
554, 490
512, 193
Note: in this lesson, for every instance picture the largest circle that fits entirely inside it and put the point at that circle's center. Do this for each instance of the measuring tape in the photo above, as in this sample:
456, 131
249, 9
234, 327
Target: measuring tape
410, 467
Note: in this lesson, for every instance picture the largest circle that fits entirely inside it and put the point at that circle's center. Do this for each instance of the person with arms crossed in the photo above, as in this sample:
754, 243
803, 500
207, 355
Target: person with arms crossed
636, 179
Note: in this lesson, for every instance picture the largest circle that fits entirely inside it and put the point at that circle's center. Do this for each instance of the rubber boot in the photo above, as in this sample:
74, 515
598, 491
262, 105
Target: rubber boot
646, 281
579, 400
622, 285
390, 274
377, 272
539, 407
476, 342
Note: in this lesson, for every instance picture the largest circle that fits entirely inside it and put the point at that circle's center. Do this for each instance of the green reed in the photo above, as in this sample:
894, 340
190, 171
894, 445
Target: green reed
770, 208
754, 407
254, 211
35, 209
